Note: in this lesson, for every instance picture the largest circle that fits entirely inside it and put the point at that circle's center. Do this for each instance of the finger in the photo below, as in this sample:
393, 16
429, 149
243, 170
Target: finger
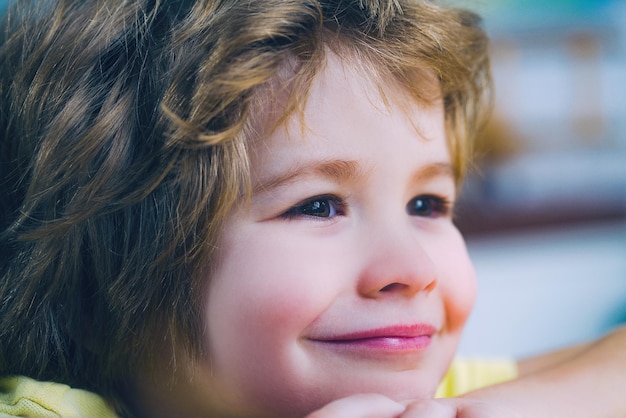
360, 406
429, 408
471, 408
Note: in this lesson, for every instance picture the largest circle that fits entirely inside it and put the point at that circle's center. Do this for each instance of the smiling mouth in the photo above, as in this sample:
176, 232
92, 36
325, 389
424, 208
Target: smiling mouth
388, 340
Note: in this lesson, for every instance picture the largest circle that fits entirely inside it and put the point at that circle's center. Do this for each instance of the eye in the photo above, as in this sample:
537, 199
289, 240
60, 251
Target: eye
429, 206
326, 206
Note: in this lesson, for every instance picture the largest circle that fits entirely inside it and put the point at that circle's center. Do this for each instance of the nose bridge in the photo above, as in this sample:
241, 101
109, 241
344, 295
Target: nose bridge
395, 261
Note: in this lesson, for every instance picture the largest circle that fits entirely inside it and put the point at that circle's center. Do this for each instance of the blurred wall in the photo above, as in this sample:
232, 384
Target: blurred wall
542, 289
545, 212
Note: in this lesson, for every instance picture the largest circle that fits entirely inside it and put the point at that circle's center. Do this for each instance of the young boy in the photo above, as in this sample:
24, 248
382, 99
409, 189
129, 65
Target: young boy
238, 208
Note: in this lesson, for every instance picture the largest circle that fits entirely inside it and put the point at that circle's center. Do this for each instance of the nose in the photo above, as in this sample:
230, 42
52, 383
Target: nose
396, 263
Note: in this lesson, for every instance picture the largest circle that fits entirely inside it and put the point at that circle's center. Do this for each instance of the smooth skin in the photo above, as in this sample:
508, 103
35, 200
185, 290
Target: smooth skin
345, 274
343, 286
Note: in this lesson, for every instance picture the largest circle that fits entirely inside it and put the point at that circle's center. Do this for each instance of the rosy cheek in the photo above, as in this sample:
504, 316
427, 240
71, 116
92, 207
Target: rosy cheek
460, 294
270, 288
457, 280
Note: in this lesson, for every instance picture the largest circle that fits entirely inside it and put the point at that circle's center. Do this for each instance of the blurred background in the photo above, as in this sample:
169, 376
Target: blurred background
544, 210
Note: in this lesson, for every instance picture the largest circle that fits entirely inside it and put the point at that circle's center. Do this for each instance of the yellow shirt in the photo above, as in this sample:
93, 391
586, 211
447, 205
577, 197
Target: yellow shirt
467, 375
24, 397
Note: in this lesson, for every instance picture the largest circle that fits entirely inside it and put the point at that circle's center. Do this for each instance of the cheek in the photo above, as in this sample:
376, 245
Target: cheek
461, 295
252, 291
270, 283
263, 296
457, 282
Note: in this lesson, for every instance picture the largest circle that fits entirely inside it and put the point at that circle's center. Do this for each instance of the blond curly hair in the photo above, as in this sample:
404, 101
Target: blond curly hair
123, 149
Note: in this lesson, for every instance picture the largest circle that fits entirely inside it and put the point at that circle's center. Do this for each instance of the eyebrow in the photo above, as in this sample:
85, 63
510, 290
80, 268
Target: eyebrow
430, 171
344, 171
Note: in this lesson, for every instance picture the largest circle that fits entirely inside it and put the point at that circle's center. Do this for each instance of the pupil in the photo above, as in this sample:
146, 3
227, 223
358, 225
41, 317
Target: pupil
422, 207
317, 208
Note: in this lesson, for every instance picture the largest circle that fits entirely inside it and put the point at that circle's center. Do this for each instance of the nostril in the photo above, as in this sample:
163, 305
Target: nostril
431, 286
391, 287
400, 287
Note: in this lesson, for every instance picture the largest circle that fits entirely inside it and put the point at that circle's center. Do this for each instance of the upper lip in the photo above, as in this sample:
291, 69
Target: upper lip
393, 331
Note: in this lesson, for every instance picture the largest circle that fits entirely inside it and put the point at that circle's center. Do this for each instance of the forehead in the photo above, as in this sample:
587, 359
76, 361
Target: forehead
346, 102
345, 85
288, 91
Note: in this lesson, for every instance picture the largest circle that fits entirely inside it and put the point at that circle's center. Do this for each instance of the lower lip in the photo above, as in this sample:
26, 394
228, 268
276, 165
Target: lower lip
388, 345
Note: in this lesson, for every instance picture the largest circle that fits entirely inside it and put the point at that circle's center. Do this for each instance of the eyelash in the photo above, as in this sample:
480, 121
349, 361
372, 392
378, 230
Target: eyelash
329, 206
436, 207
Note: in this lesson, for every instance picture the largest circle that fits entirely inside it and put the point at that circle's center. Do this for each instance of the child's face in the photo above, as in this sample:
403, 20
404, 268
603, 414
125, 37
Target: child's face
345, 274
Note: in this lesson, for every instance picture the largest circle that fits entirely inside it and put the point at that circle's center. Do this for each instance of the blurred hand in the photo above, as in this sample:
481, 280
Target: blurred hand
379, 406
361, 406
457, 408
